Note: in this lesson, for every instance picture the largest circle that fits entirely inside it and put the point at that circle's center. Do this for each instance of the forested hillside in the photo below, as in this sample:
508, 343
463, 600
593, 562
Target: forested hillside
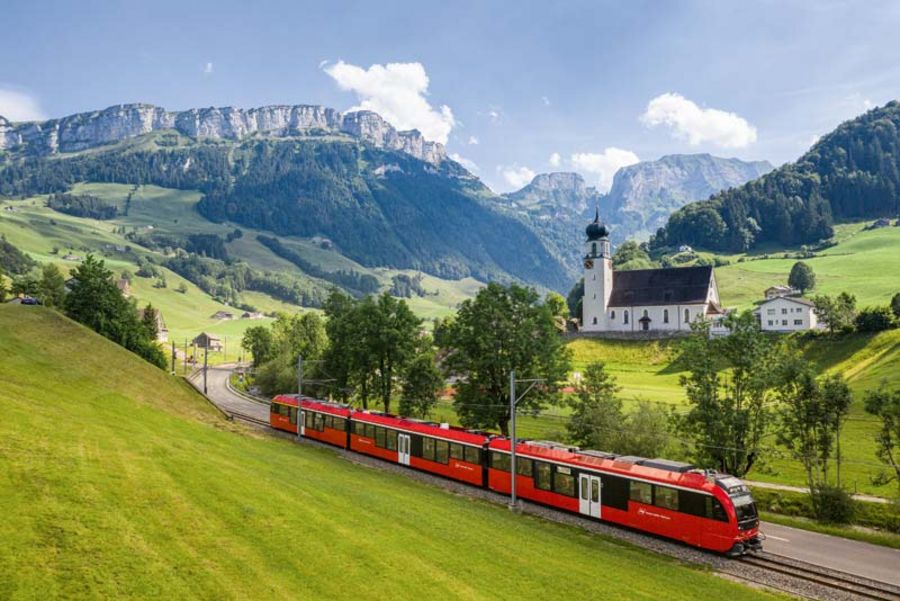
380, 208
851, 173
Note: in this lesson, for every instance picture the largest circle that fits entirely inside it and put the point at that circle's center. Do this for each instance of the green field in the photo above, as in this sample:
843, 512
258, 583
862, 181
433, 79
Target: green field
118, 481
36, 229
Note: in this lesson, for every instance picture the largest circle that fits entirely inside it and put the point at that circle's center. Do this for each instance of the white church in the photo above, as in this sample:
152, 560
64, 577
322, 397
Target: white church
644, 300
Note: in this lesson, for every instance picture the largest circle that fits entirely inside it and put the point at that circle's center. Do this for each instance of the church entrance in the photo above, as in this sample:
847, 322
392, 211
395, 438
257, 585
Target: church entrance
645, 322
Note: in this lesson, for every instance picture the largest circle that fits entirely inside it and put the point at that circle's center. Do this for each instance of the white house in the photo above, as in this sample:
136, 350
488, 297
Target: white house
642, 300
786, 314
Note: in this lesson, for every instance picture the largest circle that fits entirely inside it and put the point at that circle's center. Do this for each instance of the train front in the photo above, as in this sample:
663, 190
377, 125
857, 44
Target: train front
742, 514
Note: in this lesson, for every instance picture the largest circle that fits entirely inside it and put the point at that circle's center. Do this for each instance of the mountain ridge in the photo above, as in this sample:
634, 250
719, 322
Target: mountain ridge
82, 131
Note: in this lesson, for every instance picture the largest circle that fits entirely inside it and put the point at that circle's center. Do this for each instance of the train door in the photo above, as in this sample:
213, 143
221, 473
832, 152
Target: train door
403, 448
302, 422
589, 495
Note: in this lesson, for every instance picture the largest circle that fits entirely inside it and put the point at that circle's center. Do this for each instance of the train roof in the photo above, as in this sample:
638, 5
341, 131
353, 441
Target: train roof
664, 471
294, 400
445, 431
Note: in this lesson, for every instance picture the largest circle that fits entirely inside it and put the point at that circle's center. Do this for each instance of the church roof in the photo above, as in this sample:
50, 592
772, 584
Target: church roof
668, 286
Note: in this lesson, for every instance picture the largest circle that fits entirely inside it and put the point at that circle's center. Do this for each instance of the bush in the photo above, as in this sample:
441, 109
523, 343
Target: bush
875, 319
881, 516
832, 504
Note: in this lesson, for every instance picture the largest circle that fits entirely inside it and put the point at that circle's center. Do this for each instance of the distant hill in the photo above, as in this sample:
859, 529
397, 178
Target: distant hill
383, 198
644, 195
849, 174
558, 205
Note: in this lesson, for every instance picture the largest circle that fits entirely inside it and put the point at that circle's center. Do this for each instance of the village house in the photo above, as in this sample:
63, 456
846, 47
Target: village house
204, 340
642, 301
222, 315
786, 314
776, 291
124, 286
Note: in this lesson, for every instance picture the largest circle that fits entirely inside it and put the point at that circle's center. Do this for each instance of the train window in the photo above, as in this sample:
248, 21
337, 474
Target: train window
564, 484
293, 416
391, 440
615, 492
273, 408
692, 503
329, 422
427, 448
642, 492
370, 431
584, 492
473, 455
543, 475
340, 424
320, 422
416, 445
379, 437
665, 497
715, 510
359, 428
524, 467
456, 451
442, 451
500, 461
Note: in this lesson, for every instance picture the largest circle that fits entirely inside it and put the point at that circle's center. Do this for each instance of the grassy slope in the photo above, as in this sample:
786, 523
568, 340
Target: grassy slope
37, 229
118, 481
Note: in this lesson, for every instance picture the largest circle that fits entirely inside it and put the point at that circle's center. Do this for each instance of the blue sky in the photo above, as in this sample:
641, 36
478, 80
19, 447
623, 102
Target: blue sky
516, 88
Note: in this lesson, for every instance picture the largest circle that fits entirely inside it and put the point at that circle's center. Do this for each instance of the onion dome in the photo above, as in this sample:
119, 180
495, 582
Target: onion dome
596, 230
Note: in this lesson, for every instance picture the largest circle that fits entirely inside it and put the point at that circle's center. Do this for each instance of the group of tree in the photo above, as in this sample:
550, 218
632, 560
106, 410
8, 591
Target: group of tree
82, 205
840, 315
851, 173
95, 301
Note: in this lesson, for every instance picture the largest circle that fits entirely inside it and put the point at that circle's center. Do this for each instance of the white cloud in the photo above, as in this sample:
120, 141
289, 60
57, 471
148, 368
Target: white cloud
208, 69
604, 164
545, 100
555, 160
397, 92
19, 106
323, 62
698, 125
517, 177
473, 141
494, 113
467, 163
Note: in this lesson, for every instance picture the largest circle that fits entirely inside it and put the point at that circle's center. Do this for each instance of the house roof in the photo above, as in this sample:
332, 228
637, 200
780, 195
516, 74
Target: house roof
668, 286
209, 337
792, 299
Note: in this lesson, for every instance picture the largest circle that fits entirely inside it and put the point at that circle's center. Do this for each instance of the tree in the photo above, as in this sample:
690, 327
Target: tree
597, 416
182, 288
500, 330
299, 335
575, 299
875, 319
3, 290
557, 305
26, 284
391, 341
837, 398
630, 255
259, 343
885, 405
340, 327
646, 431
729, 387
895, 305
802, 277
52, 286
838, 313
148, 321
422, 383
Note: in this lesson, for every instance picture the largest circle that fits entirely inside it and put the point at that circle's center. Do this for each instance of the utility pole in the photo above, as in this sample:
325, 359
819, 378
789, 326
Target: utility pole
184, 364
300, 375
513, 401
173, 358
205, 364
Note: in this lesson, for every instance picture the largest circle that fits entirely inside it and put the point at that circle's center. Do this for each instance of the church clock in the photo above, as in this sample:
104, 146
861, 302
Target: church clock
588, 263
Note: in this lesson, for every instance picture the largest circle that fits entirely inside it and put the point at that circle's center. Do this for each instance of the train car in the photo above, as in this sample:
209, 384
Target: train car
437, 448
318, 420
283, 411
666, 498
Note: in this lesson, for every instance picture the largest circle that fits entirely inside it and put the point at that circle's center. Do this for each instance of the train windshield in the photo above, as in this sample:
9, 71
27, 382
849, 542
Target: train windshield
744, 507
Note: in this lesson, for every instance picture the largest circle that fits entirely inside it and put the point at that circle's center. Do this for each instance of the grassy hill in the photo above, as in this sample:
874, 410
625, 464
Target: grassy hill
37, 229
117, 480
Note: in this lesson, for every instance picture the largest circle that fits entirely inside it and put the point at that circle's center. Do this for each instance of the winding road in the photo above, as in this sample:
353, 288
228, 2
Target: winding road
854, 557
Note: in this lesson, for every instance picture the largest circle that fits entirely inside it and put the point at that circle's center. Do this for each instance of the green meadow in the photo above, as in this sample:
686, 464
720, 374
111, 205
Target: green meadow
119, 481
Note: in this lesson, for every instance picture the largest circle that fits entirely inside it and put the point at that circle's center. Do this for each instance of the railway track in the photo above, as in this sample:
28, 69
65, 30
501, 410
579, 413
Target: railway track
248, 418
858, 586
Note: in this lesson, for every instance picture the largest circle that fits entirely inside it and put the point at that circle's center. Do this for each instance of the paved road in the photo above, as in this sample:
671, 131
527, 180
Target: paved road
854, 557
221, 395
863, 559
804, 490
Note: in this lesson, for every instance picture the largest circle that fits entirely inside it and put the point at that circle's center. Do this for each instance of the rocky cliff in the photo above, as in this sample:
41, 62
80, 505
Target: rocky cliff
114, 124
551, 193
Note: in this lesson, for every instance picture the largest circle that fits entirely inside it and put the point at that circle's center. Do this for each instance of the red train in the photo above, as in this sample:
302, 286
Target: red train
666, 498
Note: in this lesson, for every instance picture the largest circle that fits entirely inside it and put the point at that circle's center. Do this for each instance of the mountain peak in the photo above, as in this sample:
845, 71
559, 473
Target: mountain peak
120, 122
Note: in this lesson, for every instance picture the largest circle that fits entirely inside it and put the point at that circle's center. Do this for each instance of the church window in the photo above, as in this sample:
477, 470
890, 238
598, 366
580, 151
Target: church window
595, 296
595, 323
593, 248
687, 315
665, 316
612, 314
626, 317
645, 313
